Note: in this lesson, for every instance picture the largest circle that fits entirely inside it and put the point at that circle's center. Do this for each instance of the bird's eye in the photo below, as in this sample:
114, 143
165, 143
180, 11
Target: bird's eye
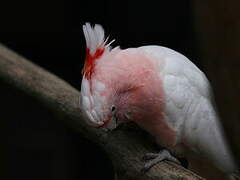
113, 108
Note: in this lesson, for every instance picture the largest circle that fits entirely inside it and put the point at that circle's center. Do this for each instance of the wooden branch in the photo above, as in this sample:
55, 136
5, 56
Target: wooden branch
125, 147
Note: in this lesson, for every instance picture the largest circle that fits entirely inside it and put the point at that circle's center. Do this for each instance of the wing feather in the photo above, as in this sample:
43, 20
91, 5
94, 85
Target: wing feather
190, 106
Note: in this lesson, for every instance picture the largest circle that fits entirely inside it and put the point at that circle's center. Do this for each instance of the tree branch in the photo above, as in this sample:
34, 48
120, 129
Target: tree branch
125, 147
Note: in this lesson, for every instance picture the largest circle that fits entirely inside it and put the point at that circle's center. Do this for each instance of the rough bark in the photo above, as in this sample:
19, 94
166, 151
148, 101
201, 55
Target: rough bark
125, 146
218, 29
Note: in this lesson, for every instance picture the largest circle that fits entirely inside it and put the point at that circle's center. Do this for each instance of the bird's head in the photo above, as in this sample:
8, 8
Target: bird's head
96, 100
117, 85
98, 105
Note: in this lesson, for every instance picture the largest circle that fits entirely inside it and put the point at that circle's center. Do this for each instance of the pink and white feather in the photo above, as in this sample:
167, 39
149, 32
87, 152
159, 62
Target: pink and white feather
97, 46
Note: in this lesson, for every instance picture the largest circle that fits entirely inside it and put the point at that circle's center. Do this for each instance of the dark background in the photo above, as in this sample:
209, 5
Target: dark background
48, 32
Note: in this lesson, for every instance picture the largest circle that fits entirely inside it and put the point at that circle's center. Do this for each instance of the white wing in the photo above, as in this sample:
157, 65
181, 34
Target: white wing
189, 106
183, 83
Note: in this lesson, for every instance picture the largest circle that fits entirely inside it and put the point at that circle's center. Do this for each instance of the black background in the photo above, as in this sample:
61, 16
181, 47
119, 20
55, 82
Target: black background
48, 32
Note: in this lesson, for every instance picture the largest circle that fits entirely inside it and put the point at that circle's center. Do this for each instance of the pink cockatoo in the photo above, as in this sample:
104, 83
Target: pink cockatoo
160, 90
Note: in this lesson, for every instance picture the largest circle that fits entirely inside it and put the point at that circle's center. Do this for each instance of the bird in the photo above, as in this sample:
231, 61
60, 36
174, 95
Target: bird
161, 91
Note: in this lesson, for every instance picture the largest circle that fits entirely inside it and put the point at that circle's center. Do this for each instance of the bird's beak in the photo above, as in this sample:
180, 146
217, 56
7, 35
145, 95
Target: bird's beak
110, 124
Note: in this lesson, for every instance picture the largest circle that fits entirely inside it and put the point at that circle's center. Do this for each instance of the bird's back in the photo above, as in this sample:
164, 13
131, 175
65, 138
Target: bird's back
189, 107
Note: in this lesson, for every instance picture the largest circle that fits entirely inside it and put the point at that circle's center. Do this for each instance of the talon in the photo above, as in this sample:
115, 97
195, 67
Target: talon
154, 158
170, 157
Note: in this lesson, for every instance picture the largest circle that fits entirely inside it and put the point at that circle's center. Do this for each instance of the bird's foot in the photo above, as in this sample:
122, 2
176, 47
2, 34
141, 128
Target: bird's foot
154, 158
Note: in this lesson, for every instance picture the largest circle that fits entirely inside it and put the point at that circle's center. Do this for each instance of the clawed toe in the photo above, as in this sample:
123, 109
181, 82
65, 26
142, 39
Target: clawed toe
154, 158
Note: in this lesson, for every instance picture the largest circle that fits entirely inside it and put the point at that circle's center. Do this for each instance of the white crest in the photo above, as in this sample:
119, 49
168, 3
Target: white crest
95, 37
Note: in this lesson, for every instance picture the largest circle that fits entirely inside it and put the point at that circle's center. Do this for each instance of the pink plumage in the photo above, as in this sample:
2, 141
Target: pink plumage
160, 90
129, 74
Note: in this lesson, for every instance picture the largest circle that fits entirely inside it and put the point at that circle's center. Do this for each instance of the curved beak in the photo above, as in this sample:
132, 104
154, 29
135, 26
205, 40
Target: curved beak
109, 124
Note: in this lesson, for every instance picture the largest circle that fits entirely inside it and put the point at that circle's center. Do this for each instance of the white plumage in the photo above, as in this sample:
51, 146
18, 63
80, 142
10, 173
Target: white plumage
95, 38
190, 108
189, 105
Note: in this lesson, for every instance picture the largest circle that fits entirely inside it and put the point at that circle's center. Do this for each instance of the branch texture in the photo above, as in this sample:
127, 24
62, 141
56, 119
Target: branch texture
124, 146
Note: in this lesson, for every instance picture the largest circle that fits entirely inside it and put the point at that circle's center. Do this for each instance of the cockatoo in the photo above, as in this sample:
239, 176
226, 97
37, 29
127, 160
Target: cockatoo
160, 90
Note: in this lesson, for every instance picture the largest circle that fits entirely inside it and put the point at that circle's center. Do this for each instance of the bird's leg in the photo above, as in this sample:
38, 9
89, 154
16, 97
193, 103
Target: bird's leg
154, 158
